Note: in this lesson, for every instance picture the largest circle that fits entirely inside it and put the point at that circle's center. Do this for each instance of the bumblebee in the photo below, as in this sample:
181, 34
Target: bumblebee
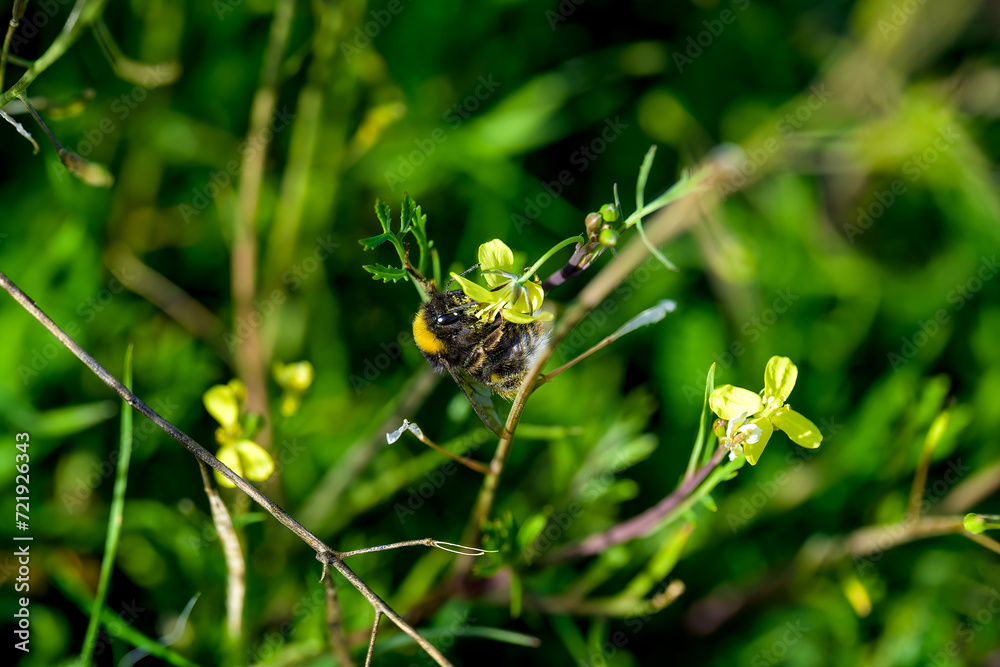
496, 354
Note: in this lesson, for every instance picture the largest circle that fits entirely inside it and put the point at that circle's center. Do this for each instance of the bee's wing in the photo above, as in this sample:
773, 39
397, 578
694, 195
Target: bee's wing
479, 397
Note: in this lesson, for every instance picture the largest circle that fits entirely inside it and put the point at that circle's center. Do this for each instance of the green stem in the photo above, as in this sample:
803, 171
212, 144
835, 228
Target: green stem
79, 20
553, 250
115, 519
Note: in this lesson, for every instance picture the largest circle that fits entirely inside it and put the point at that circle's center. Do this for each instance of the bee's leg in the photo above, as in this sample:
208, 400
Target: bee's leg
492, 339
475, 362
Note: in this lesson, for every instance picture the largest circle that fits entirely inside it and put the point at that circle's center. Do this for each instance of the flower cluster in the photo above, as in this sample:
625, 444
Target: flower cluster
294, 379
516, 298
241, 454
750, 418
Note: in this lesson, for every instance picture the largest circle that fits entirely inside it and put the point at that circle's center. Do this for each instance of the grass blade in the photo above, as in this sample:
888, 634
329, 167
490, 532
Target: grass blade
699, 442
115, 520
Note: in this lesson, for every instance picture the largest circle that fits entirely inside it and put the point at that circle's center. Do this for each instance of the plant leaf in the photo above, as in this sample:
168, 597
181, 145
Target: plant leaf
384, 214
373, 242
385, 273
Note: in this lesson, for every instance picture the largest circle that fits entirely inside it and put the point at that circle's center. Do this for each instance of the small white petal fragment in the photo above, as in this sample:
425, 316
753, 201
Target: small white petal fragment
407, 426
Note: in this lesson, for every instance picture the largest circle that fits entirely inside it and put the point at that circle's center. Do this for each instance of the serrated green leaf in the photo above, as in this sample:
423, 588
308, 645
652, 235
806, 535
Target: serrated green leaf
384, 214
373, 242
385, 273
406, 214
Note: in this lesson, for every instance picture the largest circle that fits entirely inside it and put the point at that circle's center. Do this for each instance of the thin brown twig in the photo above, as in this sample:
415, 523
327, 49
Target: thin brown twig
324, 553
460, 549
233, 553
467, 462
984, 541
250, 353
371, 644
642, 523
17, 13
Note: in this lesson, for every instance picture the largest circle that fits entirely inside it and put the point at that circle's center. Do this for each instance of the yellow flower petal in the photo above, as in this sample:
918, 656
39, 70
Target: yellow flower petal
290, 404
220, 401
257, 463
228, 455
755, 449
728, 401
523, 318
296, 376
779, 377
475, 291
496, 255
797, 427
239, 390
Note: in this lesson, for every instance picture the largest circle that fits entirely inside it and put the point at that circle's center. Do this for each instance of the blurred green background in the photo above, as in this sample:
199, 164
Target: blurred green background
862, 245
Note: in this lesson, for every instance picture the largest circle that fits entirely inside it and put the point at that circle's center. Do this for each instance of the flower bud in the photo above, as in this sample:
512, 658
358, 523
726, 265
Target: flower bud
609, 212
608, 236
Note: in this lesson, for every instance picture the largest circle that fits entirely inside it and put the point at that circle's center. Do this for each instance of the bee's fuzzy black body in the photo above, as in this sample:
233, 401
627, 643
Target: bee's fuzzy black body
496, 354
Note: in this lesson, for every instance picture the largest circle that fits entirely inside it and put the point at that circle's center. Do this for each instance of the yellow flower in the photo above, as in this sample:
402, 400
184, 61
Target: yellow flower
294, 379
516, 299
247, 459
243, 456
763, 412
